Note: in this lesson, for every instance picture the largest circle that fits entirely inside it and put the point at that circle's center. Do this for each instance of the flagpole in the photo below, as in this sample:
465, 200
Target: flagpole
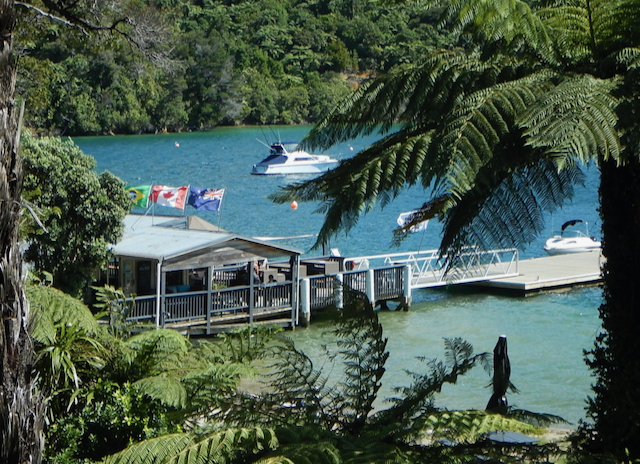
220, 208
186, 199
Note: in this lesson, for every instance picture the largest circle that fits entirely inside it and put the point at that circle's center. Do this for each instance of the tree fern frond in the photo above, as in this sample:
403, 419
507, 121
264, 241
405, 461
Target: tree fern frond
248, 344
157, 351
629, 57
167, 390
155, 451
481, 129
312, 452
295, 391
535, 419
372, 450
508, 212
352, 188
576, 118
362, 349
212, 387
406, 415
469, 426
508, 24
217, 447
52, 307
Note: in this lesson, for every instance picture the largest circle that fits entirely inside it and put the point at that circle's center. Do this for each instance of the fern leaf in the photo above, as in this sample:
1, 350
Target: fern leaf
218, 447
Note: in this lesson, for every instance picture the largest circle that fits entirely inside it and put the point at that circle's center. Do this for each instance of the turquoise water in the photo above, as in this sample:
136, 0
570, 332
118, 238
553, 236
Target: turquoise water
546, 333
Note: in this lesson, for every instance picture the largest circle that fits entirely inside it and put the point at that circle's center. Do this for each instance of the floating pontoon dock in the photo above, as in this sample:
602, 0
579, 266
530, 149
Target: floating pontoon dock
552, 273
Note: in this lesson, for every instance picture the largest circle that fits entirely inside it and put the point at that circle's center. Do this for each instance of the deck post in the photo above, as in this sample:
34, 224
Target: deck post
209, 308
406, 290
162, 309
305, 302
252, 290
370, 288
159, 290
339, 291
294, 264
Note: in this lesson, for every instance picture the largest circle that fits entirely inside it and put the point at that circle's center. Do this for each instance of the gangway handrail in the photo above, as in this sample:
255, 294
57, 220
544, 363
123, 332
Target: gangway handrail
428, 266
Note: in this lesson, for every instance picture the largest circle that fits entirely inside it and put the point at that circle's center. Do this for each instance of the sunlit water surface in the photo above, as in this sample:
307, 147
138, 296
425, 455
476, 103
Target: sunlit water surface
546, 333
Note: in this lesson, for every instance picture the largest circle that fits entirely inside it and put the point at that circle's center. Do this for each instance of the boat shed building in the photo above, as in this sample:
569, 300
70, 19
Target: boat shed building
188, 274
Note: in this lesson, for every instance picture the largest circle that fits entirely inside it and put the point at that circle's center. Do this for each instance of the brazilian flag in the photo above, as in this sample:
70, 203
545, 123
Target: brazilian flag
139, 195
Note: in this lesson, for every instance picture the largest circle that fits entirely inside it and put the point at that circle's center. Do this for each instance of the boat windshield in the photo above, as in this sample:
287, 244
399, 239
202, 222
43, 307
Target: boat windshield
284, 147
274, 158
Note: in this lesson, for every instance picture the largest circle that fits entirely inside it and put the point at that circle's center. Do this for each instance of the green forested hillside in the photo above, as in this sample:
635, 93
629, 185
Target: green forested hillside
217, 63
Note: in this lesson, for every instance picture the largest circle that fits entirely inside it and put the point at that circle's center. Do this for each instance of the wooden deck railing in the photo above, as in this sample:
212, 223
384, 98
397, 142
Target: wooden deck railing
219, 305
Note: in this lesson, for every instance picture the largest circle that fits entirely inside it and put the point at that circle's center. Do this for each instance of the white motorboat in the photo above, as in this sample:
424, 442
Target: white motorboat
287, 158
574, 241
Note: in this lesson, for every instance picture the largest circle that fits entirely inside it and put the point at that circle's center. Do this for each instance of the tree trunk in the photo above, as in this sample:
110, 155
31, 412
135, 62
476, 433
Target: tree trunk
615, 360
21, 411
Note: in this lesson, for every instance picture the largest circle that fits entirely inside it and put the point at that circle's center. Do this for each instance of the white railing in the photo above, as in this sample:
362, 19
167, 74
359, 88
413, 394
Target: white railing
428, 267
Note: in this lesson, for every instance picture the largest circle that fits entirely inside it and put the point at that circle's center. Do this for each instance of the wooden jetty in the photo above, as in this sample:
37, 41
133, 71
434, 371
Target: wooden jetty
382, 278
551, 273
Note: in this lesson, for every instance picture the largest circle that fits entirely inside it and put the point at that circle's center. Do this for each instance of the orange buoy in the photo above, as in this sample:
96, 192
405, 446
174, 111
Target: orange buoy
294, 204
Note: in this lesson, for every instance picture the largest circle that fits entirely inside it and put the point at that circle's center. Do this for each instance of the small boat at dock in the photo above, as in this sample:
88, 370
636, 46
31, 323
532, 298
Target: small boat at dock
574, 241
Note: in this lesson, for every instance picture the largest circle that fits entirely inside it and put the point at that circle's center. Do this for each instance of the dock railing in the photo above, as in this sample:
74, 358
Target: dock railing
384, 277
428, 267
215, 307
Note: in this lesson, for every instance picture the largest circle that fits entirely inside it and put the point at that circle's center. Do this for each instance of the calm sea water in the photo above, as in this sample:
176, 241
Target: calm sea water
546, 333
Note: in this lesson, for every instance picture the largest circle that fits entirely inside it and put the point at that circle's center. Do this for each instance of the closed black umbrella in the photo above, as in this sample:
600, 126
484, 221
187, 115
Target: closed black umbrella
501, 374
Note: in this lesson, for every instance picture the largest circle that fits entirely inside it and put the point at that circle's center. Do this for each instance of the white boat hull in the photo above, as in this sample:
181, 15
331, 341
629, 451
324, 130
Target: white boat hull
284, 169
563, 245
285, 158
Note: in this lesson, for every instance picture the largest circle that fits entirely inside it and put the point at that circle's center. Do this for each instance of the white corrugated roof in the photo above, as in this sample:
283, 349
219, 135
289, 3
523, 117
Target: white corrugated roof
163, 238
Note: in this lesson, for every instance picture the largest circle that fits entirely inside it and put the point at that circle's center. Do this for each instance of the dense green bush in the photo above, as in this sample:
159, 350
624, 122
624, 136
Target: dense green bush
111, 418
226, 62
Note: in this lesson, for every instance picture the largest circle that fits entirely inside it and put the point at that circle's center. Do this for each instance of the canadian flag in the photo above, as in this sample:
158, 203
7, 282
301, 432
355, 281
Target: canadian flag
173, 197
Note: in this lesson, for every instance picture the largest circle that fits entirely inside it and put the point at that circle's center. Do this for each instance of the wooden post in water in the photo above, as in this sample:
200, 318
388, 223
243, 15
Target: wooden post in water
405, 301
305, 302
370, 288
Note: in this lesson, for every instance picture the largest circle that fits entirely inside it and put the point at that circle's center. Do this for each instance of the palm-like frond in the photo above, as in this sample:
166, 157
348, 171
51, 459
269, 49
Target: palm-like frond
362, 349
509, 24
497, 139
536, 419
248, 344
584, 30
405, 418
470, 426
295, 392
231, 445
52, 307
508, 212
168, 390
157, 351
427, 147
194, 379
575, 121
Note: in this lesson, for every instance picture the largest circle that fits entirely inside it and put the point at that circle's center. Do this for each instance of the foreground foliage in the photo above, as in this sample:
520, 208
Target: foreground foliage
304, 415
497, 132
105, 392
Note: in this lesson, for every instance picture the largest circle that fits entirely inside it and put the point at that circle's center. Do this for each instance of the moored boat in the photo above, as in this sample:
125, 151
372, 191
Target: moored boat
287, 158
574, 241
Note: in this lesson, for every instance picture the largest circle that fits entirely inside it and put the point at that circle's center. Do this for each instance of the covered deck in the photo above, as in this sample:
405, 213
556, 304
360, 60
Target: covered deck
187, 274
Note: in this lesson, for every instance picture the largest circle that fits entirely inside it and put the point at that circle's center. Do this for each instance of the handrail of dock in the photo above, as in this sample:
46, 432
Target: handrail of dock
217, 306
428, 266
